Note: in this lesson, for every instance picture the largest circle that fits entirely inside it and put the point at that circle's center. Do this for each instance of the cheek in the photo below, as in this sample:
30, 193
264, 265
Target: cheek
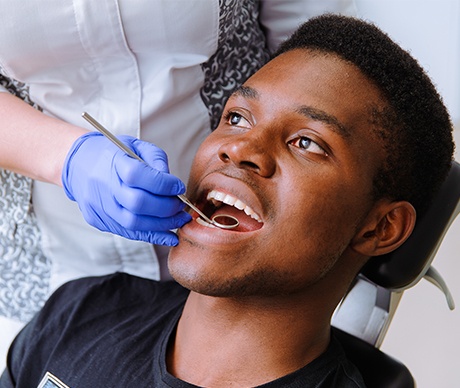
322, 223
202, 160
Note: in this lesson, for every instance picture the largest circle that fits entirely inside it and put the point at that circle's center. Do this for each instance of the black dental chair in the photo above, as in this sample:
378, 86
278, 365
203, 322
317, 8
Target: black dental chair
362, 319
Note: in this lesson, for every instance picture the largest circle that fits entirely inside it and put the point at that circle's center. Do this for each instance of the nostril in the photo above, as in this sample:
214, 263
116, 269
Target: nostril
224, 157
240, 163
246, 152
251, 165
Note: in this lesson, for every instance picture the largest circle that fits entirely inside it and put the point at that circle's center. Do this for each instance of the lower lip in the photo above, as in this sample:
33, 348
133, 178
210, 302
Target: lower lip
211, 234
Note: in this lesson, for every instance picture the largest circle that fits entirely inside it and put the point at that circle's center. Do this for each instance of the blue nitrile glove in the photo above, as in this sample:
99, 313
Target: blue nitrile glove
122, 195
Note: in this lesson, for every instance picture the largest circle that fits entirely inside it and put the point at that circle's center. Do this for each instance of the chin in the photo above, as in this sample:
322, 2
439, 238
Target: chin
195, 280
260, 283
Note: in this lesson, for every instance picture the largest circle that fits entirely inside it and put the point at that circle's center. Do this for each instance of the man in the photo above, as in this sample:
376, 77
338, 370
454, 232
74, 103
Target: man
324, 155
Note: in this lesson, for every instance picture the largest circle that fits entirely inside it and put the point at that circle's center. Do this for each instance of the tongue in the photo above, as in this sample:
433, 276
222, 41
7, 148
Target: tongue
247, 223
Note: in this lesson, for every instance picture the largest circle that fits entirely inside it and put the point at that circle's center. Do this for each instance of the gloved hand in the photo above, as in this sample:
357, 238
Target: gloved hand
122, 195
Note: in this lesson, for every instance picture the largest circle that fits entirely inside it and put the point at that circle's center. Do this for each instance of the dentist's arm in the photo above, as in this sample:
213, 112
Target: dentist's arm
32, 143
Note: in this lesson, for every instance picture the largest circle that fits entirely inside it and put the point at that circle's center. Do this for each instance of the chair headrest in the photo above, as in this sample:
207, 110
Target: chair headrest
406, 265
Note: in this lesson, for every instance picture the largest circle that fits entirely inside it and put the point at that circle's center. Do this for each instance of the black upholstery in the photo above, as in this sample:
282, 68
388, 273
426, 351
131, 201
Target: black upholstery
377, 368
406, 265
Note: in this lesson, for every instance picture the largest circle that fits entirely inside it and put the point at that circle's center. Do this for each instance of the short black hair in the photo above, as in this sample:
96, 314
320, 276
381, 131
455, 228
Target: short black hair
415, 128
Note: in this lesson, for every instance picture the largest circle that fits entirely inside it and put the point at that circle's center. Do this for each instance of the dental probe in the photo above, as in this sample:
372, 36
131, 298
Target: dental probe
182, 197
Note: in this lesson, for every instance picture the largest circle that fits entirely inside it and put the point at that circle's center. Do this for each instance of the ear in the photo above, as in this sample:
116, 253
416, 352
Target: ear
386, 228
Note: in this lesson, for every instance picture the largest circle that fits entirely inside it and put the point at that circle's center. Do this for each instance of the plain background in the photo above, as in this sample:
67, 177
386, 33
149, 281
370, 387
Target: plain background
425, 334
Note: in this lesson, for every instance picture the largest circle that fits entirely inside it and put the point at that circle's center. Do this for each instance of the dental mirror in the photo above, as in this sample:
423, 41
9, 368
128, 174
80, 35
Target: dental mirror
232, 222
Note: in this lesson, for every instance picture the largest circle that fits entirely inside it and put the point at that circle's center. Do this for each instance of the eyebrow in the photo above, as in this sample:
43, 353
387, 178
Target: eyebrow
326, 118
307, 111
247, 92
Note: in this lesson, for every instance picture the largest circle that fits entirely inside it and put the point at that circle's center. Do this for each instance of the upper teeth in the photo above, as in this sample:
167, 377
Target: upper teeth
217, 196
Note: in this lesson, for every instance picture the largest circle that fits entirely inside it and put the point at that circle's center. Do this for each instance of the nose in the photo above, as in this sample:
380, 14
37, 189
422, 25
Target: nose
249, 152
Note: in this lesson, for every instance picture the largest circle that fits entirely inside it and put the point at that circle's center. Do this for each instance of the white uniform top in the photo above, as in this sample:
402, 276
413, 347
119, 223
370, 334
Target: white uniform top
136, 66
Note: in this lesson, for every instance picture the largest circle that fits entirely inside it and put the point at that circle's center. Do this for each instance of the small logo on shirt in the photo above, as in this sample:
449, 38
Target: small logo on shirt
50, 381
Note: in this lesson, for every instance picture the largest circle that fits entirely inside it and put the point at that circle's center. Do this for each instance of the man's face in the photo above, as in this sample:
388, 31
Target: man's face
295, 150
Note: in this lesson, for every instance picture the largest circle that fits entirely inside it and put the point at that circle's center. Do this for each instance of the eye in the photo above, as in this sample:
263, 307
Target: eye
236, 119
307, 144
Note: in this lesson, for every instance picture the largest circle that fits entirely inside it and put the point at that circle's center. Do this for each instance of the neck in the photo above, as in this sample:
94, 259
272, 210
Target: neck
247, 341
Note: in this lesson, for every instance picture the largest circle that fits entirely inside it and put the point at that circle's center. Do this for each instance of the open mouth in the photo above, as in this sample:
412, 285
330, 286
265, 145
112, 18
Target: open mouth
220, 204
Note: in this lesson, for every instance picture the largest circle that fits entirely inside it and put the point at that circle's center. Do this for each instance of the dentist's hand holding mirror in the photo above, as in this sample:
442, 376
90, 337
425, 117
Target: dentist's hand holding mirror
120, 195
123, 186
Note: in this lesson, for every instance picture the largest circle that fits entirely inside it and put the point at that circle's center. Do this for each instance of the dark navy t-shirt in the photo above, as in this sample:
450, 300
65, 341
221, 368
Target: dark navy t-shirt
113, 331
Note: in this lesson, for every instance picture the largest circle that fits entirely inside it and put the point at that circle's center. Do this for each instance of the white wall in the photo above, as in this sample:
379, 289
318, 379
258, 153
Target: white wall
425, 334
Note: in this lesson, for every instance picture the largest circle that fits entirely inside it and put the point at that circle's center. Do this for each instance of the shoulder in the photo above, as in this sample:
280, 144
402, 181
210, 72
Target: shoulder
119, 287
86, 317
342, 372
331, 369
111, 296
106, 299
